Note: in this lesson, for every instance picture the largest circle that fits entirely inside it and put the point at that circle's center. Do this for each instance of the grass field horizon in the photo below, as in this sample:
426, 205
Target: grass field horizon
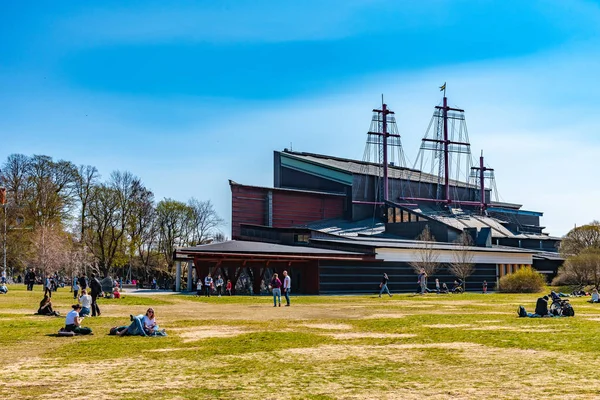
323, 347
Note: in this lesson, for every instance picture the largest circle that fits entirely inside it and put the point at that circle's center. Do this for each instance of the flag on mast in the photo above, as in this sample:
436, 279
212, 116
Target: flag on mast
443, 87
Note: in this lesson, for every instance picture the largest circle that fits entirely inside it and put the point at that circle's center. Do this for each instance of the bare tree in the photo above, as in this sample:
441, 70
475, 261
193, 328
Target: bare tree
205, 220
15, 177
583, 268
86, 178
51, 196
581, 238
219, 237
144, 230
462, 265
427, 256
174, 220
50, 249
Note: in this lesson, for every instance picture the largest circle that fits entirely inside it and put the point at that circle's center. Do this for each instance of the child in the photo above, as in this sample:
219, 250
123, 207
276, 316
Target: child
228, 287
199, 287
116, 293
484, 287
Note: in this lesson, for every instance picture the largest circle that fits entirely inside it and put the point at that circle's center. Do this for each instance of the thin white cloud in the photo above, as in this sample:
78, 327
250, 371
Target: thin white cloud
281, 21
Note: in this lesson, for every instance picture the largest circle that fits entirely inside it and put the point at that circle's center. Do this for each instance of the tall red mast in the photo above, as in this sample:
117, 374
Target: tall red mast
382, 116
446, 154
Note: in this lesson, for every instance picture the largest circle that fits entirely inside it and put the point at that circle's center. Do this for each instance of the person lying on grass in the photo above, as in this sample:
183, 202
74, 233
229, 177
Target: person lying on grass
73, 322
46, 307
141, 325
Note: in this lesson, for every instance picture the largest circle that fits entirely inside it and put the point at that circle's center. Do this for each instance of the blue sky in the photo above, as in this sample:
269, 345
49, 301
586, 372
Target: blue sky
189, 94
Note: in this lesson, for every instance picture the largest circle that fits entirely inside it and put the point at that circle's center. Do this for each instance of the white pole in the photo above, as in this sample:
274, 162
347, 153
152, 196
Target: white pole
177, 276
189, 278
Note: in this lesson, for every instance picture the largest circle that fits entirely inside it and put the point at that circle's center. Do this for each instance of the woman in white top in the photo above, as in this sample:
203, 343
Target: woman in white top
149, 321
86, 303
73, 322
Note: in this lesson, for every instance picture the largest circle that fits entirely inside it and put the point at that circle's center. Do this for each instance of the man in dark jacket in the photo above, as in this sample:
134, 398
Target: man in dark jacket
96, 289
541, 307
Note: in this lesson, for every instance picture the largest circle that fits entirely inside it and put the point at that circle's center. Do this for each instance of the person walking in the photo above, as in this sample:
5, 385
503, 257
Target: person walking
423, 281
276, 288
75, 289
208, 281
383, 285
437, 285
219, 285
287, 287
96, 289
484, 287
31, 280
228, 287
83, 282
48, 287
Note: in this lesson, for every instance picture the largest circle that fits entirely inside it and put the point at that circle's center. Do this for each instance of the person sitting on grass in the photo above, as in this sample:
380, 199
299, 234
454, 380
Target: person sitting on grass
86, 303
541, 309
116, 293
73, 322
595, 296
46, 307
3, 289
141, 325
444, 289
541, 306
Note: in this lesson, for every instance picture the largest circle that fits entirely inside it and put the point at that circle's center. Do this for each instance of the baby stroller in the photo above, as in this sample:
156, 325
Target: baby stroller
561, 307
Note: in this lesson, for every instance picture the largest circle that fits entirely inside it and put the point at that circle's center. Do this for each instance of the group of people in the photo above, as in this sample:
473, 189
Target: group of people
440, 288
559, 308
141, 325
277, 286
211, 285
88, 301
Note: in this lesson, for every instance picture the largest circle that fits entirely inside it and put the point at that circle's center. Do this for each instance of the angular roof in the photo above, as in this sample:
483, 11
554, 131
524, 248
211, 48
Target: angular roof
368, 168
415, 244
234, 183
344, 227
248, 247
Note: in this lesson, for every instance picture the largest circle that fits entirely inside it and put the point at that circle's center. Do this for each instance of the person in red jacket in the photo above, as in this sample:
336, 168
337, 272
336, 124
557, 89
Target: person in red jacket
276, 288
228, 287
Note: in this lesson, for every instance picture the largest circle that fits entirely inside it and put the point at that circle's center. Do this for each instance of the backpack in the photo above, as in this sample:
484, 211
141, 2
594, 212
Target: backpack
521, 311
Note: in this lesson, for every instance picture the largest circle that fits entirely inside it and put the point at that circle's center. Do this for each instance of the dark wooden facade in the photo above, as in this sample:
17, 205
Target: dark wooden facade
281, 208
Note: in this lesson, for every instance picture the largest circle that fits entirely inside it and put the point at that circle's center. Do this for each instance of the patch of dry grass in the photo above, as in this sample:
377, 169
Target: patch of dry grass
406, 347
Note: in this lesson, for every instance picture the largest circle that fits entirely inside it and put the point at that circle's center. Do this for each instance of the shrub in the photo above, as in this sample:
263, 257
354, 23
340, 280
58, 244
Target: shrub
525, 280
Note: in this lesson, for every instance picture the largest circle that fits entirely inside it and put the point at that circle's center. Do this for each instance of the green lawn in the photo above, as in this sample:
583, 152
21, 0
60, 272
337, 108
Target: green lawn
346, 347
